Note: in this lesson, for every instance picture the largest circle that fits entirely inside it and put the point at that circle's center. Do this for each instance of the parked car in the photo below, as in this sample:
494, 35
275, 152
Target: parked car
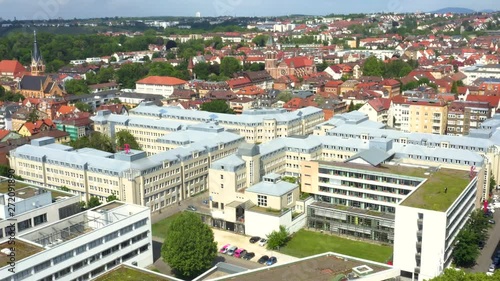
262, 242
224, 249
492, 268
254, 239
239, 253
205, 202
231, 250
491, 221
263, 259
192, 208
271, 261
249, 256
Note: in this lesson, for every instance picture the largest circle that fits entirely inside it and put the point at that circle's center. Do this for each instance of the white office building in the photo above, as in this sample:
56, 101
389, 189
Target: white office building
82, 246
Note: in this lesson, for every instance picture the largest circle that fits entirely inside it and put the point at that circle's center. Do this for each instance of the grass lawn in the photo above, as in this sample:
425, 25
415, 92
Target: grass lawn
306, 243
160, 228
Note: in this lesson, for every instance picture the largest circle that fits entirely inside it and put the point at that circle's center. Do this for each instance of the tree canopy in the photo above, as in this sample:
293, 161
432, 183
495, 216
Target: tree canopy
125, 137
277, 239
96, 140
285, 96
111, 198
84, 107
76, 87
189, 247
373, 67
93, 202
466, 249
216, 106
451, 274
229, 66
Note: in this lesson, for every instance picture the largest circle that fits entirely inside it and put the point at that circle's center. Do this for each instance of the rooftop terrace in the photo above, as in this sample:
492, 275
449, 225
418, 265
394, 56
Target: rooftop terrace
431, 194
22, 250
127, 273
28, 189
325, 267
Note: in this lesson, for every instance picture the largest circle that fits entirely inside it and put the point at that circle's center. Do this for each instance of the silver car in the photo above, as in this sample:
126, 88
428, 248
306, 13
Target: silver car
231, 250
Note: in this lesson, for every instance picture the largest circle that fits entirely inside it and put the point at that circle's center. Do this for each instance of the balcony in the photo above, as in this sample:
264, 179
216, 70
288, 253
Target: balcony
419, 233
418, 255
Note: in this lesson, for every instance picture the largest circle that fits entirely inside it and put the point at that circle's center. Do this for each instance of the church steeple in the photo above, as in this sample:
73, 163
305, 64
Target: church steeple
37, 65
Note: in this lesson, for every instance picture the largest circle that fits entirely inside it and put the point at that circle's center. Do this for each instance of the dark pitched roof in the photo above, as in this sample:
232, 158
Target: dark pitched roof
32, 83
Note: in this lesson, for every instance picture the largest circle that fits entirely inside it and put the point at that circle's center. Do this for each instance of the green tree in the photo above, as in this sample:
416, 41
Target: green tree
76, 87
277, 239
351, 107
129, 73
217, 106
96, 140
125, 137
284, 96
106, 74
4, 170
93, 202
229, 66
64, 188
454, 88
289, 179
321, 67
260, 40
84, 107
466, 249
33, 116
452, 274
202, 70
111, 198
189, 247
373, 67
493, 184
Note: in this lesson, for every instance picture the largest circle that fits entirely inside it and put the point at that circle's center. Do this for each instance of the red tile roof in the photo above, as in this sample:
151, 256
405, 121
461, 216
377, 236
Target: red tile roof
4, 133
162, 80
66, 109
11, 66
299, 62
492, 100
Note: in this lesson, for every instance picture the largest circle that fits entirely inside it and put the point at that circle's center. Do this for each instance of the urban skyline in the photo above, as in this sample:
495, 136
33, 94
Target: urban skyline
24, 10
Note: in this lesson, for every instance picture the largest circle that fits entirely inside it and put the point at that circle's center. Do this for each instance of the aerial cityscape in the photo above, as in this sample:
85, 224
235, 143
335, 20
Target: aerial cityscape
236, 140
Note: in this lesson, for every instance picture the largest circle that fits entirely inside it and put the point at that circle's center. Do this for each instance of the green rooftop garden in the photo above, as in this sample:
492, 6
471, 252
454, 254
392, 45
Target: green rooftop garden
4, 188
307, 243
124, 273
439, 191
22, 250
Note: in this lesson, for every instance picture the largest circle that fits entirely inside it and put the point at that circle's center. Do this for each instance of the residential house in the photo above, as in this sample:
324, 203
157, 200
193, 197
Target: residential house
160, 85
464, 116
349, 85
22, 115
11, 69
96, 88
418, 115
29, 129
393, 86
334, 71
241, 104
117, 108
6, 135
333, 87
377, 109
77, 125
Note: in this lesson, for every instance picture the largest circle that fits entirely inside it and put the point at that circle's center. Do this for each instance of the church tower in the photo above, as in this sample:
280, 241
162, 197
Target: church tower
271, 57
37, 65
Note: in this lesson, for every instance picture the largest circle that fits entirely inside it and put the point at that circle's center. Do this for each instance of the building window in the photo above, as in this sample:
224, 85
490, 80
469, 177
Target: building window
221, 185
42, 266
221, 177
40, 219
140, 223
262, 200
289, 198
63, 257
95, 243
24, 225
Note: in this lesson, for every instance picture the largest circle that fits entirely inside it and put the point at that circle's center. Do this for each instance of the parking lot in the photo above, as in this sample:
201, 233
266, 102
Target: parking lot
223, 237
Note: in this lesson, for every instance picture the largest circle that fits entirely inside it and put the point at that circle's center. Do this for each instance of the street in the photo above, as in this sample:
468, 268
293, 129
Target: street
196, 201
487, 253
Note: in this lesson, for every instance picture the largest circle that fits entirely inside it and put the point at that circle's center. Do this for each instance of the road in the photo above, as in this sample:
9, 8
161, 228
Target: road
487, 253
196, 201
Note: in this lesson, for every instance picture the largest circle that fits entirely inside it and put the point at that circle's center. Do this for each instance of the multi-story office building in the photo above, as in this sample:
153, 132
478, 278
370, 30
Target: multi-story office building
32, 206
81, 246
155, 136
156, 181
480, 71
466, 115
256, 125
414, 115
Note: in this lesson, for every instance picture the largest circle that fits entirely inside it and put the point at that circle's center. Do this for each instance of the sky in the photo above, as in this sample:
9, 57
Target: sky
68, 9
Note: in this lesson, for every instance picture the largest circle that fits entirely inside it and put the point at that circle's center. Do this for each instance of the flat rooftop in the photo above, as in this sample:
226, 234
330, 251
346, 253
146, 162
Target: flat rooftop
127, 273
429, 195
324, 267
110, 206
28, 189
22, 250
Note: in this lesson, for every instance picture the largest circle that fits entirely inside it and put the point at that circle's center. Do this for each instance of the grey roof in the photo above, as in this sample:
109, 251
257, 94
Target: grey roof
251, 118
353, 118
231, 163
186, 137
94, 152
372, 156
248, 149
272, 189
32, 83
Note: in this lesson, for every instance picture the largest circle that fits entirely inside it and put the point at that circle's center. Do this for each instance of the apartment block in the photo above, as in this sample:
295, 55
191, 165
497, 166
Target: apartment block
256, 125
82, 246
466, 115
156, 181
25, 207
414, 115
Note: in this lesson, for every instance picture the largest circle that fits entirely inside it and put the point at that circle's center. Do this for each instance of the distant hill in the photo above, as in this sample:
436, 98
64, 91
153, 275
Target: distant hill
487, 11
454, 10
